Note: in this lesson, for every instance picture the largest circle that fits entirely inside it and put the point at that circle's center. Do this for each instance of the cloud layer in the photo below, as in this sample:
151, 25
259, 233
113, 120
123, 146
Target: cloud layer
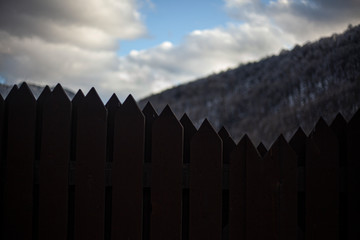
75, 42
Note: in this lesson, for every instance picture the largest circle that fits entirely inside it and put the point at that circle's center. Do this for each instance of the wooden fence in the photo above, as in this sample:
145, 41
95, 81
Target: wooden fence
81, 170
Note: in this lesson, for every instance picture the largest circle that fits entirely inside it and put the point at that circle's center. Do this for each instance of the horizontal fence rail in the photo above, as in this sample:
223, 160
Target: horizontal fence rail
79, 169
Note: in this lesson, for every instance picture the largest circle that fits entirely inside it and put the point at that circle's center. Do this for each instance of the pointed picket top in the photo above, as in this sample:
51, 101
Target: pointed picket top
59, 93
321, 125
323, 135
93, 97
223, 133
131, 107
23, 95
130, 102
44, 94
187, 124
189, 131
12, 92
168, 115
207, 131
339, 125
228, 144
280, 140
113, 102
280, 144
207, 127
339, 119
299, 136
79, 96
25, 92
261, 149
149, 111
245, 142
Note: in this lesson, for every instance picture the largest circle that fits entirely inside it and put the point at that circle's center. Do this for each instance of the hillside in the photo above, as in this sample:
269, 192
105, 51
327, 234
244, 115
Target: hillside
277, 94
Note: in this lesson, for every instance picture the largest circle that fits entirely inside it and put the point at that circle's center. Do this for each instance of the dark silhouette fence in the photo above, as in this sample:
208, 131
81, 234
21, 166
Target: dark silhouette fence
81, 170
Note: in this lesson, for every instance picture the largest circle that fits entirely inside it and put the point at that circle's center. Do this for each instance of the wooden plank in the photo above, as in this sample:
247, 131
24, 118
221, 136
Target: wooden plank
280, 191
54, 165
39, 103
353, 169
228, 147
241, 218
322, 184
20, 153
298, 144
205, 184
189, 132
150, 116
166, 176
112, 107
339, 126
79, 97
127, 171
228, 144
90, 167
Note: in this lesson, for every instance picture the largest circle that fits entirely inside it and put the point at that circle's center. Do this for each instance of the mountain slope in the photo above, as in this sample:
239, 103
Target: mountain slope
277, 94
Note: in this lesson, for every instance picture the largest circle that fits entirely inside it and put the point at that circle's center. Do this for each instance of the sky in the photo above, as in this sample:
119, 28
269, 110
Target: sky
141, 47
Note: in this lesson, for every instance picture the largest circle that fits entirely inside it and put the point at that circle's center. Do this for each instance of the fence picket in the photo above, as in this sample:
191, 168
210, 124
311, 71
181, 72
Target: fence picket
338, 126
81, 170
205, 184
241, 223
166, 176
150, 116
189, 132
90, 164
353, 183
54, 165
280, 191
322, 184
20, 153
228, 146
112, 106
77, 99
298, 144
127, 171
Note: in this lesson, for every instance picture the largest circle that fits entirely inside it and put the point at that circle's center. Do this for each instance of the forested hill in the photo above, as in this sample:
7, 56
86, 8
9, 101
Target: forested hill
277, 94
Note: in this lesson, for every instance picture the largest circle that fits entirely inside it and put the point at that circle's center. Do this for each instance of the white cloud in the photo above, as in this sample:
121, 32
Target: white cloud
265, 29
201, 53
75, 42
306, 19
71, 42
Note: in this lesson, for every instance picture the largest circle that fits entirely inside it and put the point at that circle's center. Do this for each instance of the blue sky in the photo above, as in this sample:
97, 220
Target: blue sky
172, 20
141, 47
